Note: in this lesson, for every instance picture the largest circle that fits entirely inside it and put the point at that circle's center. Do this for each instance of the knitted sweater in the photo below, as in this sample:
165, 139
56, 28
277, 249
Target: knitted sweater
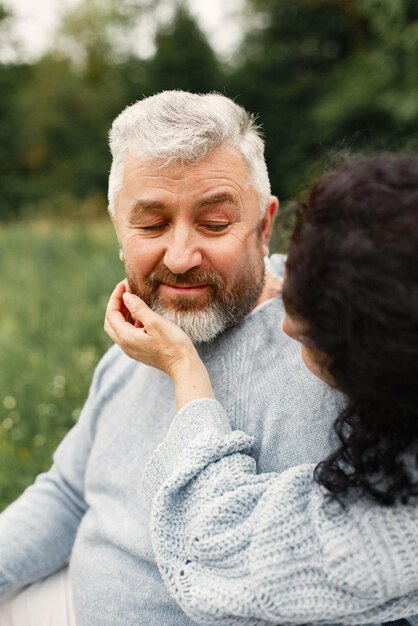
90, 509
241, 547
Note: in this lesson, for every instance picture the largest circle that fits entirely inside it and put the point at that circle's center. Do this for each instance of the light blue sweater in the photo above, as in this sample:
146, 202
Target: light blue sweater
90, 508
239, 548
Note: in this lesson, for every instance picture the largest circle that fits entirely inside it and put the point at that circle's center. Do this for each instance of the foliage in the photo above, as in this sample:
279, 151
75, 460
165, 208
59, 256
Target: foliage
329, 75
292, 47
183, 57
55, 282
96, 33
13, 173
57, 113
13, 77
7, 42
374, 91
322, 74
63, 139
64, 110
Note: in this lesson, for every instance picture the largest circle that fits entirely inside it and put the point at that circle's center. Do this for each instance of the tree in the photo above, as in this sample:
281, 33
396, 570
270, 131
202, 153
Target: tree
372, 94
66, 108
328, 74
284, 60
13, 77
183, 57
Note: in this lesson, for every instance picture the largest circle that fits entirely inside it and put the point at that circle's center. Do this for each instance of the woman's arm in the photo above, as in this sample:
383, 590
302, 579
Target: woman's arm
237, 547
240, 548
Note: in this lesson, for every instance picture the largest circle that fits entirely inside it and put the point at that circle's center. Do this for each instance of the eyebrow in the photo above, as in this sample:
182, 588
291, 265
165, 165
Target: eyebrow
217, 198
143, 205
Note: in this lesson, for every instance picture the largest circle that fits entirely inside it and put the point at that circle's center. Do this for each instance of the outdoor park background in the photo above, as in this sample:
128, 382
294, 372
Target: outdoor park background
325, 76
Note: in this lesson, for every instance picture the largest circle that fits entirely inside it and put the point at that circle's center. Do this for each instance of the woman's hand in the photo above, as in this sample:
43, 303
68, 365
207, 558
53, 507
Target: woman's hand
147, 337
144, 335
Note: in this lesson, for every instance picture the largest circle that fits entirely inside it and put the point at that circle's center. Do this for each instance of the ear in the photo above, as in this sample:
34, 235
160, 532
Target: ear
267, 223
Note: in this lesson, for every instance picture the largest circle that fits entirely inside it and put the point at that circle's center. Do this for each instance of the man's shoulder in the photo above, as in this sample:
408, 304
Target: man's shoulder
114, 364
111, 358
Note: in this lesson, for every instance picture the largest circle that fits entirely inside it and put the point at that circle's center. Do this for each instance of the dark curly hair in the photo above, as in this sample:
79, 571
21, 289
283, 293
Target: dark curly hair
352, 278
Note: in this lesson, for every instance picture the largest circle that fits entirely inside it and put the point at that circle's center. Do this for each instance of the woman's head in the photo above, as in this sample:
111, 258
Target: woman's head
352, 286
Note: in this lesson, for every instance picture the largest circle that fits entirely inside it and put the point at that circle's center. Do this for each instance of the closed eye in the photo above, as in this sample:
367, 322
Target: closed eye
215, 227
152, 228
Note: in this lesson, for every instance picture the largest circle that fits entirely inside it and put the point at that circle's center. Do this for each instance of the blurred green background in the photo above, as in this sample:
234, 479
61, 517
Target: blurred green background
325, 77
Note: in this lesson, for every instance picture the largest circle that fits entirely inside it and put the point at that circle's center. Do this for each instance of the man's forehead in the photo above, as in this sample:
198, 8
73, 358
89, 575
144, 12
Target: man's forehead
224, 157
221, 179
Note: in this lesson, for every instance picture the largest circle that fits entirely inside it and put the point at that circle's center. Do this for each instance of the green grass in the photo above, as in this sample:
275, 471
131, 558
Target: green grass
55, 280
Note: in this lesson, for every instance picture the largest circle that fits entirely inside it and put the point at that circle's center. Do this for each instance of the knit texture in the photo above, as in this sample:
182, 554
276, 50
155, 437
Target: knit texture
90, 508
239, 547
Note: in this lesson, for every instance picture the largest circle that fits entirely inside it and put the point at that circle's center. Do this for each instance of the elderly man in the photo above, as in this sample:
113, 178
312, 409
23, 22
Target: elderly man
190, 199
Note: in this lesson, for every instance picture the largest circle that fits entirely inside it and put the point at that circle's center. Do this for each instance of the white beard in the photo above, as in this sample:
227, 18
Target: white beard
201, 326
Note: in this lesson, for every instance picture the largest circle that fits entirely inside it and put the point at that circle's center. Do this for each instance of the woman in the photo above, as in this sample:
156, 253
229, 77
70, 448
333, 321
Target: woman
333, 544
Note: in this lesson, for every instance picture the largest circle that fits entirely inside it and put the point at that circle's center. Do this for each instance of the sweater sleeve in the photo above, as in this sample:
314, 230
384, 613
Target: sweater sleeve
236, 547
37, 531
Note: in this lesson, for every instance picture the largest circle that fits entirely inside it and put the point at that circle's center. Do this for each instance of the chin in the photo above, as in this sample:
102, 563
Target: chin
184, 305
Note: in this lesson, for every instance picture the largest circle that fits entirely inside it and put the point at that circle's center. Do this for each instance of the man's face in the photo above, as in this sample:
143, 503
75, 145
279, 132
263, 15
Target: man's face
192, 240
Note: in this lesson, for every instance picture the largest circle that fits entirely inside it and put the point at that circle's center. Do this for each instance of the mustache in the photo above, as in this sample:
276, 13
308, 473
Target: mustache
192, 277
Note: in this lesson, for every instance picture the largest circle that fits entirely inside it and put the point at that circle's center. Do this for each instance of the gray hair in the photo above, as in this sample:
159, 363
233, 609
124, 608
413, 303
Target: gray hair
185, 127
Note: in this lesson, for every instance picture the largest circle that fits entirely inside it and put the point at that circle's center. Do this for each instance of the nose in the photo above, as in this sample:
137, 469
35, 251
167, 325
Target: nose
182, 252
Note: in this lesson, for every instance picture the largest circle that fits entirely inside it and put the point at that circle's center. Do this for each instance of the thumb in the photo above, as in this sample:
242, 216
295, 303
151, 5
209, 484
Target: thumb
137, 308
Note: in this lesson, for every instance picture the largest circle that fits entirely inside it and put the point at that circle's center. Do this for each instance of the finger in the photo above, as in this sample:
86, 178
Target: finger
138, 309
115, 301
109, 330
123, 309
119, 330
127, 286
126, 337
116, 311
